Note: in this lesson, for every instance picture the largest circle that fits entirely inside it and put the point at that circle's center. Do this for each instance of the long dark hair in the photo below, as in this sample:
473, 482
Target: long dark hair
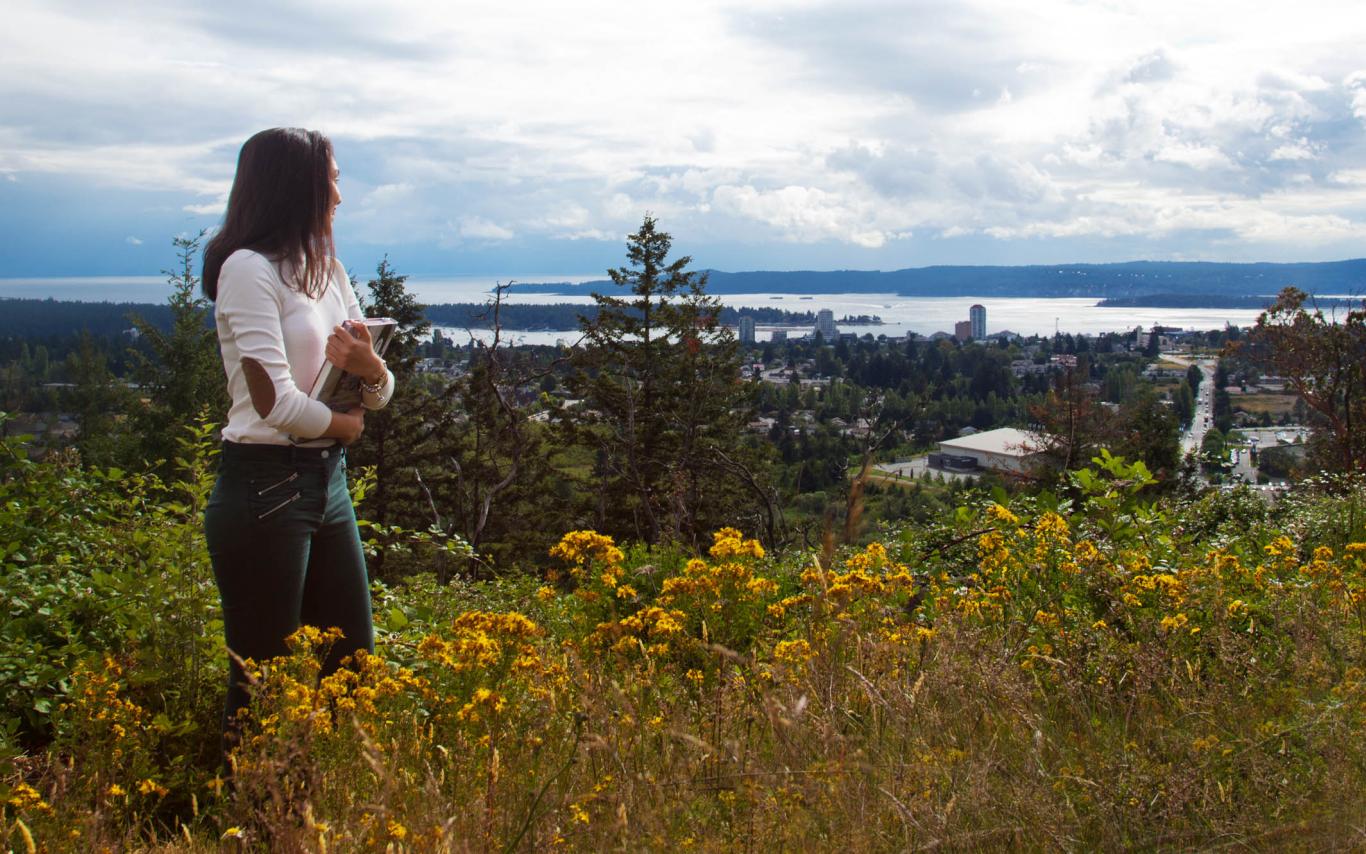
280, 206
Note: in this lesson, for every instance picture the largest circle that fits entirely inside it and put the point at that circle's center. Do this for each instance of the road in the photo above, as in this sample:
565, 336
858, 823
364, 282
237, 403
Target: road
1204, 404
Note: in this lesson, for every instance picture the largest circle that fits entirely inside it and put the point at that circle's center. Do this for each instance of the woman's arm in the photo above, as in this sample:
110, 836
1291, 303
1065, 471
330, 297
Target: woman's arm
249, 302
346, 427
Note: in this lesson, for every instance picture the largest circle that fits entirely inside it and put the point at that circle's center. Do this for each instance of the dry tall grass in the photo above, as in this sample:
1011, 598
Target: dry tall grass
1066, 692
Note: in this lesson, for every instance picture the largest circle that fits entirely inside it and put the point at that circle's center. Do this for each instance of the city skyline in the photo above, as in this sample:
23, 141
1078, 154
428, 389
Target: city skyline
776, 134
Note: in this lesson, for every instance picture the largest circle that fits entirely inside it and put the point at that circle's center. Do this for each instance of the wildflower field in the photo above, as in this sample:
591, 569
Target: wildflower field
1100, 671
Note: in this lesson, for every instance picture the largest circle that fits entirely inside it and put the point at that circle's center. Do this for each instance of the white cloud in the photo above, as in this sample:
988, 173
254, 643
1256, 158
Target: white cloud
389, 194
590, 234
132, 241
1194, 155
478, 228
1300, 149
620, 206
1356, 87
800, 214
1349, 177
1152, 68
851, 123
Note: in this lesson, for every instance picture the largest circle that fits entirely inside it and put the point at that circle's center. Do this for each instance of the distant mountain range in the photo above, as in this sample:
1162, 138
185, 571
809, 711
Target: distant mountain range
1129, 280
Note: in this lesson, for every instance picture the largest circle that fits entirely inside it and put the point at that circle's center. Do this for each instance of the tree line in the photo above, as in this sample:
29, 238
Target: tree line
660, 428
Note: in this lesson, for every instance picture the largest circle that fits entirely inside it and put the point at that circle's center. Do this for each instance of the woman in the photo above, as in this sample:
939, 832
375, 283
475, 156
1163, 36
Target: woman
280, 526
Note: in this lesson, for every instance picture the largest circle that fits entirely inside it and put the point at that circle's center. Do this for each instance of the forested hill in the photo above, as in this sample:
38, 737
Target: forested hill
44, 318
1130, 279
564, 316
40, 319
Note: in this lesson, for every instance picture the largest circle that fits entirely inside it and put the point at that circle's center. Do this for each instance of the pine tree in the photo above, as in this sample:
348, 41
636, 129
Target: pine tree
662, 398
97, 400
180, 372
389, 297
500, 488
393, 435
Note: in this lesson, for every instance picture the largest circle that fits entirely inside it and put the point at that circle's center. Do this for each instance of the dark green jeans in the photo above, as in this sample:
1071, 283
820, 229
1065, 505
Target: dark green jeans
285, 549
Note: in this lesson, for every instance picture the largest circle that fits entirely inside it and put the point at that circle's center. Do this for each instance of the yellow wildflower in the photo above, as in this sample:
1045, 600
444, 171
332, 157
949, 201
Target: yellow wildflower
25, 797
760, 586
579, 547
1280, 546
998, 513
1170, 623
793, 652
729, 542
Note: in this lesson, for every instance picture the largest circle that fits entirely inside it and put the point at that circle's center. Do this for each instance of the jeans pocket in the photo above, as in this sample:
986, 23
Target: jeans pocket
272, 490
278, 506
264, 486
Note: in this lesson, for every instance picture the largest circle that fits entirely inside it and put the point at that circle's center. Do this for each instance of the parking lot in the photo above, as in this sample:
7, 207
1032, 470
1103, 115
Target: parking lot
916, 466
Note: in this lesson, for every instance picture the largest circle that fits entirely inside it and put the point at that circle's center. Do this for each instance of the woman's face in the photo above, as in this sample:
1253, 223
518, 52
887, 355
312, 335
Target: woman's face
334, 173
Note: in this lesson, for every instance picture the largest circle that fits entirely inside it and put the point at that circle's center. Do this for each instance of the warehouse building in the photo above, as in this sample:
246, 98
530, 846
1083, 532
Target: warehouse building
1005, 450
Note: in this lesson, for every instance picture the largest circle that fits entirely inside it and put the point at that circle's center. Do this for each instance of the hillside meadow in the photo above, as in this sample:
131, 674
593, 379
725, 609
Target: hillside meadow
1098, 669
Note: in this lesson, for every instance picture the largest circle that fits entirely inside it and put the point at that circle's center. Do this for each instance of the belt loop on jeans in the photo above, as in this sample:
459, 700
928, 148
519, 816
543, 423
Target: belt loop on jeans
298, 453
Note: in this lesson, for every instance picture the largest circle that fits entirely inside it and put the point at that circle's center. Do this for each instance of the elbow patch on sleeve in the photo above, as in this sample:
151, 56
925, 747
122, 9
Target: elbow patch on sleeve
259, 386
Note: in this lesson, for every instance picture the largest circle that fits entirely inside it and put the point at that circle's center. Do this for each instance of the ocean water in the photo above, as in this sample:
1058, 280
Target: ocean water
900, 315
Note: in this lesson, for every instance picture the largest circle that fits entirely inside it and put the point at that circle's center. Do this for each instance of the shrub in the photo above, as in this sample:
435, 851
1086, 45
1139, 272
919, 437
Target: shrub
1103, 672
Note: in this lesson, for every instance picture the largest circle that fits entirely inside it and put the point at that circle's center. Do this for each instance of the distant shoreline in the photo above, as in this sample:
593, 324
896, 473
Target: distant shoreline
1154, 284
1127, 280
19, 315
1215, 301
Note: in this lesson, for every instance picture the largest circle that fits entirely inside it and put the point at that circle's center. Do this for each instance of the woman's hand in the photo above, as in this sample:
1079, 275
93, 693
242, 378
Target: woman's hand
346, 427
349, 347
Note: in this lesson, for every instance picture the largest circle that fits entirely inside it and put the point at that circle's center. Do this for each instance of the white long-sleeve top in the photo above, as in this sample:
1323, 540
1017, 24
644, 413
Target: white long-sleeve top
260, 317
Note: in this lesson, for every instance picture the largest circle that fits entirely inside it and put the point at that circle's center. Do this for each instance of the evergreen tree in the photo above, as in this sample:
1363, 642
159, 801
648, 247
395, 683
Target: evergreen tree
459, 456
97, 399
389, 297
1149, 432
663, 402
393, 441
179, 373
1183, 403
499, 475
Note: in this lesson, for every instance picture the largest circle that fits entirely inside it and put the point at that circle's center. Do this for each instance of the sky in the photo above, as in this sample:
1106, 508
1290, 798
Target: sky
528, 139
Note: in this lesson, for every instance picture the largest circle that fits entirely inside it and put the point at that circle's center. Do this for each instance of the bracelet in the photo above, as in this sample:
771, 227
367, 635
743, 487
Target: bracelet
383, 375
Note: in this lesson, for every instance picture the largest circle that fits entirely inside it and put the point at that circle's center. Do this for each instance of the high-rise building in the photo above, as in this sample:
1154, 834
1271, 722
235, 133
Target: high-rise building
977, 316
825, 325
962, 330
746, 329
779, 336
